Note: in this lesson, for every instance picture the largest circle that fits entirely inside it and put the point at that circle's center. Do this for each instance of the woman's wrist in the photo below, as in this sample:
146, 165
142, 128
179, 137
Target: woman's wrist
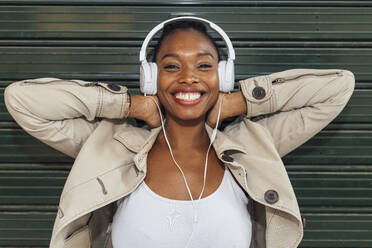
136, 107
145, 109
234, 104
127, 105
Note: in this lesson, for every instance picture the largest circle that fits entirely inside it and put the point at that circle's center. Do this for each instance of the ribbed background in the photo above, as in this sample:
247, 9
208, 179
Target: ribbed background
100, 40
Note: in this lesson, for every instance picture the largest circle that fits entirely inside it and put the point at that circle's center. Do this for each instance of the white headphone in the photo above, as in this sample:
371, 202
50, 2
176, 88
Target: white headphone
149, 70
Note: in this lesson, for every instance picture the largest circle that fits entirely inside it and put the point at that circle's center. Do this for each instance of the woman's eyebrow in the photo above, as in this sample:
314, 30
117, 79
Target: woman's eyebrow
177, 56
205, 54
169, 55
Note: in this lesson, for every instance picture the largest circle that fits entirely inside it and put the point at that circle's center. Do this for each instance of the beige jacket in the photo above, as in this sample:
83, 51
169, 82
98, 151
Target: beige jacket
85, 121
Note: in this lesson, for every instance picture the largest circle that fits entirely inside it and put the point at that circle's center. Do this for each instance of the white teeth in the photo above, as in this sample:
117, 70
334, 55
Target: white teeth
188, 96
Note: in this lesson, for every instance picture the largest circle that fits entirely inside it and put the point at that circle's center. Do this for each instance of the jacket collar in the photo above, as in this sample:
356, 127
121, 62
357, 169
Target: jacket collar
140, 140
224, 142
135, 138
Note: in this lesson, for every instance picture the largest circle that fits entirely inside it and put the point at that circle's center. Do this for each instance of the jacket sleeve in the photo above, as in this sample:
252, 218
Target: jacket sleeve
296, 104
63, 113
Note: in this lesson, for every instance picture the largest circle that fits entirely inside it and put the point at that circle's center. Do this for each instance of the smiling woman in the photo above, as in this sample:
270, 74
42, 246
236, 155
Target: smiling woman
125, 188
187, 88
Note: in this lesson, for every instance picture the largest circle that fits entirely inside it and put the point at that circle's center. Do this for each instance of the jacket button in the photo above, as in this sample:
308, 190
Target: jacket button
271, 196
227, 158
114, 87
258, 92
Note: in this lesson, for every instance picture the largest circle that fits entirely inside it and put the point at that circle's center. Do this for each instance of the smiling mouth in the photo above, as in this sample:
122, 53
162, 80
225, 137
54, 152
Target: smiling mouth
188, 98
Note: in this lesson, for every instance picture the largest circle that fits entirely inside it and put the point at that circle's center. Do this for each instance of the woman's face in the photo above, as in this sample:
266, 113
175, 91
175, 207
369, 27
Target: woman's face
187, 75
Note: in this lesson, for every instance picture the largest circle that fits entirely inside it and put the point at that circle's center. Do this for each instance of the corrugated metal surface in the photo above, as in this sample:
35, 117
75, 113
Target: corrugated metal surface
99, 40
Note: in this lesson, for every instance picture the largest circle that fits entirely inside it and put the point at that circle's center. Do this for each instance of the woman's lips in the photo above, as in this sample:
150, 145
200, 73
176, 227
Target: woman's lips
188, 98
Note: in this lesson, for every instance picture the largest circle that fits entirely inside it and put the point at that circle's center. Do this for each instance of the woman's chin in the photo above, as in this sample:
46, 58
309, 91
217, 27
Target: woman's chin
189, 119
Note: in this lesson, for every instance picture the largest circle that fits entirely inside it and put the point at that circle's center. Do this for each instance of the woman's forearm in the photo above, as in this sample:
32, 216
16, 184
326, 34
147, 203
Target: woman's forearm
297, 104
234, 104
54, 99
62, 113
294, 89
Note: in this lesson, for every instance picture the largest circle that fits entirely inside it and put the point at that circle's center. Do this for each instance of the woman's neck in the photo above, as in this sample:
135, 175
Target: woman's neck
186, 134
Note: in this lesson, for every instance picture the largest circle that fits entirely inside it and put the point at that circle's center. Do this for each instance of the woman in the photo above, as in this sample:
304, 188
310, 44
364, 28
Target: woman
127, 175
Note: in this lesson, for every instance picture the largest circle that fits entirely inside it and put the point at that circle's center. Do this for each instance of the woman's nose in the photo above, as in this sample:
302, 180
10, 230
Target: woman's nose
188, 76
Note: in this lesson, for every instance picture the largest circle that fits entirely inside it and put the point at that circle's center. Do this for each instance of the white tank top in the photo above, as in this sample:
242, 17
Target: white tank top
145, 219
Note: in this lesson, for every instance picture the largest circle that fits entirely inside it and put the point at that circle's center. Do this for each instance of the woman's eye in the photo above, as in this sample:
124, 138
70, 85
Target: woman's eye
205, 66
171, 67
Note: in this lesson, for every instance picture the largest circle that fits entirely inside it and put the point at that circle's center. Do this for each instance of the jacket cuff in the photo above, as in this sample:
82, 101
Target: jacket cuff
113, 102
258, 94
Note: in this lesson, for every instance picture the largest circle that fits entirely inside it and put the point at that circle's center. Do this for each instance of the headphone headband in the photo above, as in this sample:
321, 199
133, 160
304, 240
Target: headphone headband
157, 28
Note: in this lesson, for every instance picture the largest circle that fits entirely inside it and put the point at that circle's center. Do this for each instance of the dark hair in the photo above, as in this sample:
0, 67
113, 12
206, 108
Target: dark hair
170, 28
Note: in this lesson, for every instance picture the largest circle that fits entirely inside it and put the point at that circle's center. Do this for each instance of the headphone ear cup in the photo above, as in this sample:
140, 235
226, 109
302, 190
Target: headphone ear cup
226, 75
144, 75
154, 78
229, 76
221, 74
148, 78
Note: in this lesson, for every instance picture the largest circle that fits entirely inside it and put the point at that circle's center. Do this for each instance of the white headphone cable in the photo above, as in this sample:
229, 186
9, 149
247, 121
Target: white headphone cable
213, 136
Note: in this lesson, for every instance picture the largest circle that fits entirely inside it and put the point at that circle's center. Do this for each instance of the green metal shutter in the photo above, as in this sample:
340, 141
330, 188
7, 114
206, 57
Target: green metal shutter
100, 40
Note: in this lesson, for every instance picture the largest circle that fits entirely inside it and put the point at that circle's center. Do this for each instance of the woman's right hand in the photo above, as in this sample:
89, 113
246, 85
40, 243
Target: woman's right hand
144, 108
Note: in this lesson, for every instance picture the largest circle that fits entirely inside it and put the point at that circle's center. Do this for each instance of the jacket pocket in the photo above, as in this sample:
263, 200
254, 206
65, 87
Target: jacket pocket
80, 238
